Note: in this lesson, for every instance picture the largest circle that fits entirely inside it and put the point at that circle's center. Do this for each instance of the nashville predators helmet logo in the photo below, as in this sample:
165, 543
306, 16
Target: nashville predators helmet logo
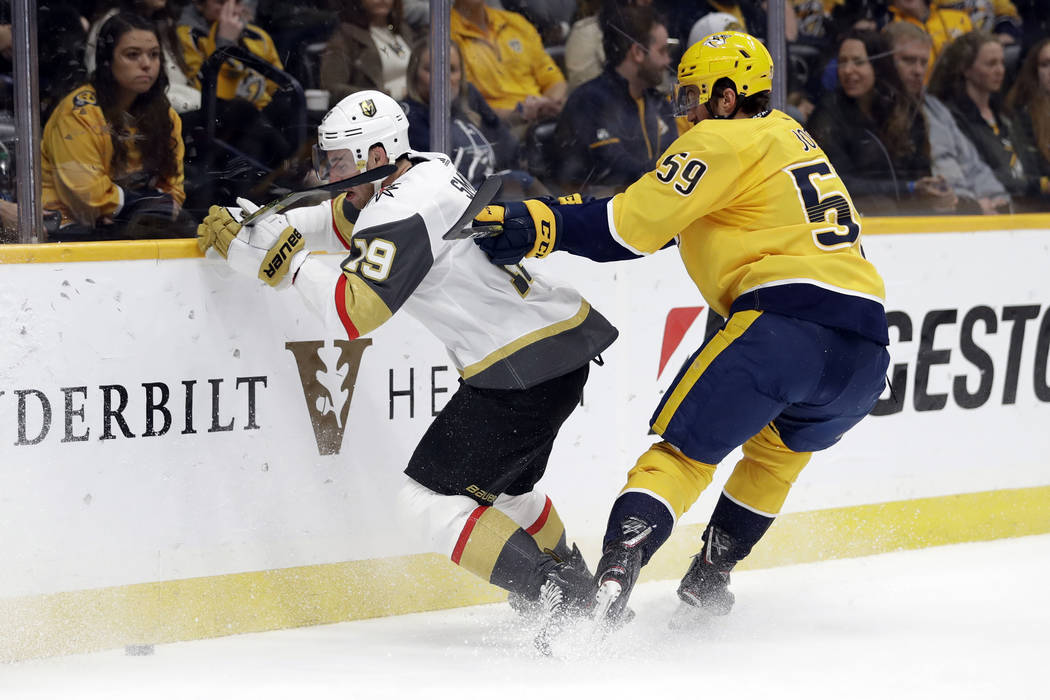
368, 108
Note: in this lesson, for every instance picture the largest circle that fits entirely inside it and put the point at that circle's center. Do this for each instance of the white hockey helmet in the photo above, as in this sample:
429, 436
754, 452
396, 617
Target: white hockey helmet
360, 121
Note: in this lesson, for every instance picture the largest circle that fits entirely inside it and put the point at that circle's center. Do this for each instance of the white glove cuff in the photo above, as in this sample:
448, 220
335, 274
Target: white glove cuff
293, 269
245, 259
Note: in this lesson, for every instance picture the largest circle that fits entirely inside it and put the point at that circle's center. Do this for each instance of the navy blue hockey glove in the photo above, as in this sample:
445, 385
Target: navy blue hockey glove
529, 230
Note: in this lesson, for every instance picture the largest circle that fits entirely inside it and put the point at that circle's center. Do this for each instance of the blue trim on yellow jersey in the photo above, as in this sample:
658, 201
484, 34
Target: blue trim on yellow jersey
861, 315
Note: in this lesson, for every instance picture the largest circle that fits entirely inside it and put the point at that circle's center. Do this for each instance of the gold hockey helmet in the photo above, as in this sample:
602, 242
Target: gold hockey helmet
740, 57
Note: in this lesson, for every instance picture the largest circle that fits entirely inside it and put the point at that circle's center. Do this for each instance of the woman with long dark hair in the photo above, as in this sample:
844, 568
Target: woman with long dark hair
112, 150
968, 77
876, 135
184, 97
481, 143
1028, 102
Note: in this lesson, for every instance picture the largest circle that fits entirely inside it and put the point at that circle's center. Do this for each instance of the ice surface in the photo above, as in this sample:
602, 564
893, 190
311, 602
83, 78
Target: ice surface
964, 621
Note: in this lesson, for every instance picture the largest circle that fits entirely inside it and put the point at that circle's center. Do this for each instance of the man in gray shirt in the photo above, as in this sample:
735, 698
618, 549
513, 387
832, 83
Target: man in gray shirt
953, 155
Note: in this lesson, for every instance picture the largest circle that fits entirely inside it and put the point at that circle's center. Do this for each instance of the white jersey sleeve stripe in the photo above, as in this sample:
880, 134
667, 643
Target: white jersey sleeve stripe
614, 234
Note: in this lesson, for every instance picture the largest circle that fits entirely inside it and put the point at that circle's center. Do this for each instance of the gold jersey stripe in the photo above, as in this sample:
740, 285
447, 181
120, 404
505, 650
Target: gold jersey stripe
526, 340
604, 142
365, 309
344, 228
486, 541
550, 531
736, 326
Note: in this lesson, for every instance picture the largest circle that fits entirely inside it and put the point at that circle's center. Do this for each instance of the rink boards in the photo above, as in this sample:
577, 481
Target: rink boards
187, 453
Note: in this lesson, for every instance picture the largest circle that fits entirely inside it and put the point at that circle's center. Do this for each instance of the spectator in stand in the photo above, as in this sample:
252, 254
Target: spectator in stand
999, 17
614, 126
867, 15
206, 26
952, 155
874, 134
551, 18
182, 94
111, 160
750, 14
504, 58
1028, 102
942, 25
369, 50
968, 78
584, 55
481, 144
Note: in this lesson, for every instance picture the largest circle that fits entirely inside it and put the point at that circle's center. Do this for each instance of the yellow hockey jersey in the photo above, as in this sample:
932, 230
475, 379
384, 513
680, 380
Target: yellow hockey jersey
234, 80
762, 221
76, 152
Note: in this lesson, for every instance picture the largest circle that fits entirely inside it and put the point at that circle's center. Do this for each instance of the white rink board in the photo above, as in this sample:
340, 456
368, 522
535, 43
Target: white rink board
86, 513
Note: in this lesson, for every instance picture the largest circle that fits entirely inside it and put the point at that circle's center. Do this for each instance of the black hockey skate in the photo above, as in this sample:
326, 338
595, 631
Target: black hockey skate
566, 595
617, 573
704, 590
532, 609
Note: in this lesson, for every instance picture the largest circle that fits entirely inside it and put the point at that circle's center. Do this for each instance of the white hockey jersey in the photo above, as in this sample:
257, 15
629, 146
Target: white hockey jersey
503, 327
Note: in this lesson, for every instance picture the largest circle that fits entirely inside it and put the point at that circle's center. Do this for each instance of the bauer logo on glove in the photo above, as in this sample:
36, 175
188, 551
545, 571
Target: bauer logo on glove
289, 243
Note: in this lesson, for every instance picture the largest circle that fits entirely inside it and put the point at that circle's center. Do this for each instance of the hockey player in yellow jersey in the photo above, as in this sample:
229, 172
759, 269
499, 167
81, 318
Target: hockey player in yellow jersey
768, 233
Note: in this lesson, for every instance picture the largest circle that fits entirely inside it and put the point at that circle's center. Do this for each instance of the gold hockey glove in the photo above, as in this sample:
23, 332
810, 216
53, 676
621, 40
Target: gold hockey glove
219, 227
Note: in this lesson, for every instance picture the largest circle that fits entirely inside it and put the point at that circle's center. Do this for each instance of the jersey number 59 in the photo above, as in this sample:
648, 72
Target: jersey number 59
831, 208
681, 171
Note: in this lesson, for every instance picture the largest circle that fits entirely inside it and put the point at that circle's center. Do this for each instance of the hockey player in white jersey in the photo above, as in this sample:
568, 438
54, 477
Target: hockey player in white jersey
522, 347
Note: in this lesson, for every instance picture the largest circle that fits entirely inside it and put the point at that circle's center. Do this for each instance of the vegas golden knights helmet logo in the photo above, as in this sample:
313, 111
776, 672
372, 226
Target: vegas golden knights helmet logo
328, 376
368, 108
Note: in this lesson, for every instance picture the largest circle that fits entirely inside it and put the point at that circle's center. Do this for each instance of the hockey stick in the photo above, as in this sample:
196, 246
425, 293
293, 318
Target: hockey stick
333, 188
482, 198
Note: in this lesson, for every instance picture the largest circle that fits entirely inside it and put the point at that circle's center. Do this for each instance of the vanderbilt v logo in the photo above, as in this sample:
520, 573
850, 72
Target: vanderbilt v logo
328, 376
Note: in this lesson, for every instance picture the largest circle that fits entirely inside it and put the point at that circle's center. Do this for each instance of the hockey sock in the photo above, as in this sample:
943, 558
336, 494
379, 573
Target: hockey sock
644, 507
493, 547
742, 528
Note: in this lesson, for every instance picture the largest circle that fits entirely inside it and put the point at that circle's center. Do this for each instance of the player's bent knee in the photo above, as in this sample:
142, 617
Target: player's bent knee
672, 476
762, 479
438, 518
524, 509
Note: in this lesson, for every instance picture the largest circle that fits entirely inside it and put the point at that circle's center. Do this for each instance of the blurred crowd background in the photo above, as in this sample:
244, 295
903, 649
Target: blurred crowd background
151, 110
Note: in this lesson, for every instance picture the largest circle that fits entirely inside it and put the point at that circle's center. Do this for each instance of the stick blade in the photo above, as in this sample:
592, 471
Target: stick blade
472, 232
481, 199
316, 195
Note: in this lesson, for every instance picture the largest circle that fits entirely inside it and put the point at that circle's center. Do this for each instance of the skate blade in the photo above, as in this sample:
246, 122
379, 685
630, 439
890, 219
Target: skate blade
608, 593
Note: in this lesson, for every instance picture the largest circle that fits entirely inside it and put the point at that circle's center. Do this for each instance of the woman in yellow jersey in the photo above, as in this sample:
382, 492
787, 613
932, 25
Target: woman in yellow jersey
768, 233
112, 150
